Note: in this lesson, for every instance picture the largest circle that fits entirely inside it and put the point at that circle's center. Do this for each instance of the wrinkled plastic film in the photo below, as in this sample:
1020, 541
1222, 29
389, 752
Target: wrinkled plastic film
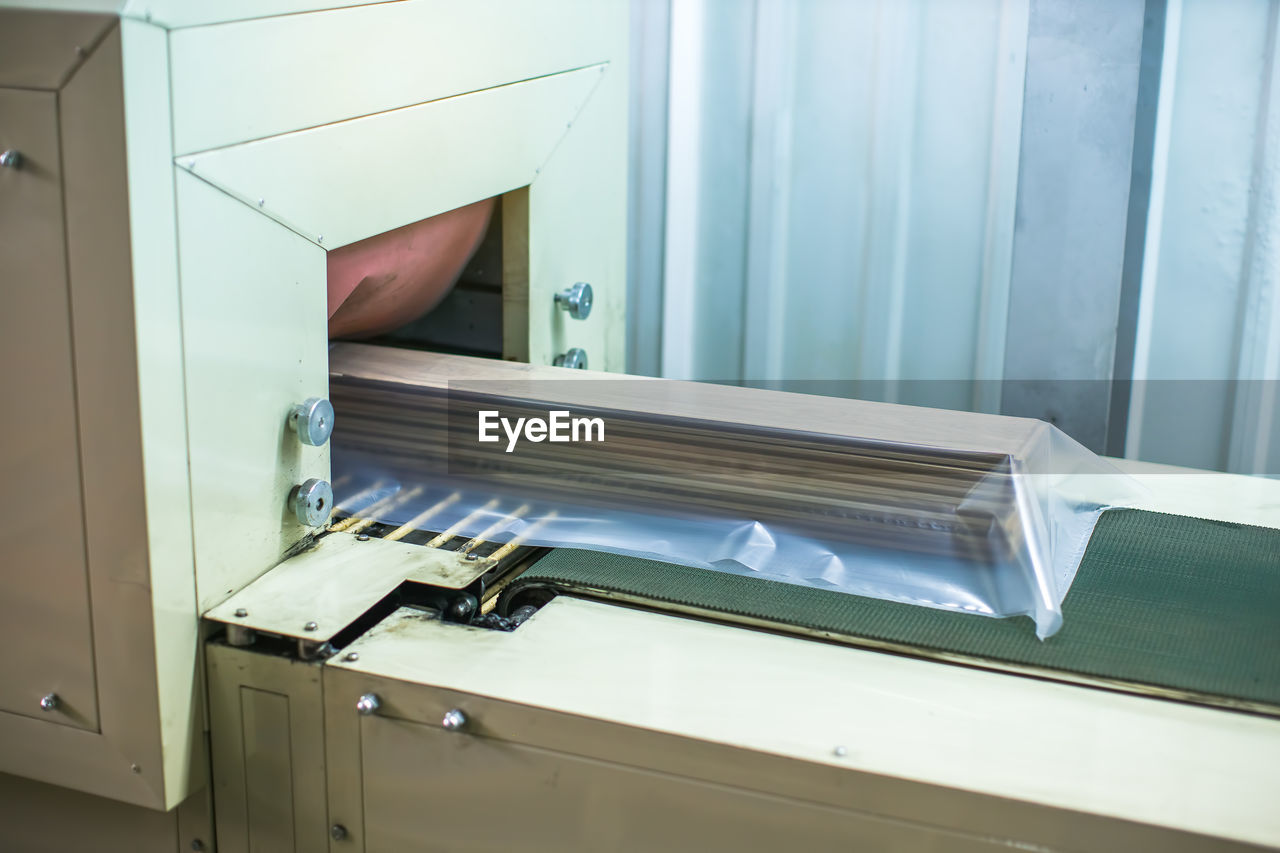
996, 532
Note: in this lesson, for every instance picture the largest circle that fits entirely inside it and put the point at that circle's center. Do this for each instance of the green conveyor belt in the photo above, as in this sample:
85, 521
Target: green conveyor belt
1182, 604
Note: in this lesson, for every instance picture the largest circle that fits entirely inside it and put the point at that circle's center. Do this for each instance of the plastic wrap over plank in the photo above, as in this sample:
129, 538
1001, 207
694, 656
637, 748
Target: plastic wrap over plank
960, 511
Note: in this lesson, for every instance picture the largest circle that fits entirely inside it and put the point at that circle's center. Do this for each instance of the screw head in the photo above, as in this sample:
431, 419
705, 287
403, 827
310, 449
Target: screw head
135, 768
310, 626
261, 202
351, 656
363, 537
11, 159
49, 702
840, 752
241, 613
368, 704
454, 720
338, 832
197, 845
470, 557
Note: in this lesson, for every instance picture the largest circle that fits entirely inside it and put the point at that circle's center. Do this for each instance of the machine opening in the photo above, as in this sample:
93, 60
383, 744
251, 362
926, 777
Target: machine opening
454, 283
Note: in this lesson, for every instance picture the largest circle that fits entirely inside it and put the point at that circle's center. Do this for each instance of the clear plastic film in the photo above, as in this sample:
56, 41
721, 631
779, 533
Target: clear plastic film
992, 524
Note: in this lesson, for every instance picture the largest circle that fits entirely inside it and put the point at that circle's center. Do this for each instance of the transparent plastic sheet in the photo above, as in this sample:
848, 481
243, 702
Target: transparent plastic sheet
971, 530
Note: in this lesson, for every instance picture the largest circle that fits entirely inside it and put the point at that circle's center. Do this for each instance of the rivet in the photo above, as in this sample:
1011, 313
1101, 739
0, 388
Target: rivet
197, 845
840, 752
241, 613
470, 557
261, 202
368, 704
363, 537
310, 626
338, 832
320, 239
135, 768
49, 702
351, 656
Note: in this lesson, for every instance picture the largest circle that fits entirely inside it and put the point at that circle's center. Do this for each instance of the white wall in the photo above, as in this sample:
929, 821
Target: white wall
841, 186
1212, 278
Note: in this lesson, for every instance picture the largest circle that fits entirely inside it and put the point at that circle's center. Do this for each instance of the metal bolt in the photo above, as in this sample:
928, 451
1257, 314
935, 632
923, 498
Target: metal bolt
311, 502
197, 845
574, 359
135, 768
338, 832
312, 420
310, 626
454, 720
261, 202
11, 159
576, 300
49, 702
320, 239
351, 656
241, 613
840, 752
470, 557
368, 704
363, 537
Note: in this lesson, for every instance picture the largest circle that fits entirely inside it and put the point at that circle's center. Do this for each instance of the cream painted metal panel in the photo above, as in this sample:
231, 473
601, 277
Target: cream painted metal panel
1056, 745
553, 801
44, 610
267, 730
40, 818
162, 415
578, 219
255, 337
347, 181
145, 751
234, 82
336, 581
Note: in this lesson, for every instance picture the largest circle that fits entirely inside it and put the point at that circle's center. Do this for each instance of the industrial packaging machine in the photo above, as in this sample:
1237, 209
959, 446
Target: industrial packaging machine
247, 607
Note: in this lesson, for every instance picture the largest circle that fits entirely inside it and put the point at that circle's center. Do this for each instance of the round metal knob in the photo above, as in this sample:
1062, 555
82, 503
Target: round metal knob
576, 300
574, 359
312, 420
11, 159
338, 832
49, 702
312, 502
454, 720
368, 704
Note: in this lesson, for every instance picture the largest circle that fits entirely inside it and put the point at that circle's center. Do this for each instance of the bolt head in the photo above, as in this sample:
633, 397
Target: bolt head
312, 420
338, 832
363, 537
241, 613
840, 752
351, 656
576, 300
197, 845
312, 502
310, 626
454, 720
368, 704
470, 557
49, 702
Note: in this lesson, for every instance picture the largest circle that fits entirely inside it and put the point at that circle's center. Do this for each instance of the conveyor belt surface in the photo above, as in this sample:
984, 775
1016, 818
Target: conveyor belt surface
1162, 604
